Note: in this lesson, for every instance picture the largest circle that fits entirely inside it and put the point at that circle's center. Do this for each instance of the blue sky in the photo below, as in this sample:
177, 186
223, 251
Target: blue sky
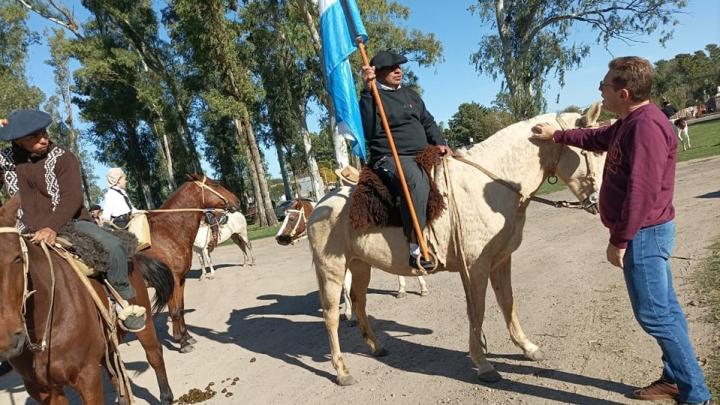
455, 81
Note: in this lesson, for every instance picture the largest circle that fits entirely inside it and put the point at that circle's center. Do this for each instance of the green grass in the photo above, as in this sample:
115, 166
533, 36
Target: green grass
708, 282
704, 138
257, 232
705, 141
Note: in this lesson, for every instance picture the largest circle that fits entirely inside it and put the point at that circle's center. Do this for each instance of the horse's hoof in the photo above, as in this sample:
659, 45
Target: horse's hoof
490, 376
346, 380
186, 348
537, 355
190, 340
401, 294
424, 293
380, 353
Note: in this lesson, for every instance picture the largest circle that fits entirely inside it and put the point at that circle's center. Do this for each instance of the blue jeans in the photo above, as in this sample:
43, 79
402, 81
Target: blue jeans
655, 305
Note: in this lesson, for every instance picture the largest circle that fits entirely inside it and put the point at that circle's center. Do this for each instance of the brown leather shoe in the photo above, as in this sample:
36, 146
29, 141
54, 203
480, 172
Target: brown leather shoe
660, 389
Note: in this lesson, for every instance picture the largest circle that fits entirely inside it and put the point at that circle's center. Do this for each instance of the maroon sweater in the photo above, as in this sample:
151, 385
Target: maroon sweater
50, 186
639, 175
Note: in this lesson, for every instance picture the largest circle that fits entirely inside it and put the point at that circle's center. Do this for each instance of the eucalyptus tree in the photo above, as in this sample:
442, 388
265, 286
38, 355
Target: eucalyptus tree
283, 62
15, 38
535, 38
214, 45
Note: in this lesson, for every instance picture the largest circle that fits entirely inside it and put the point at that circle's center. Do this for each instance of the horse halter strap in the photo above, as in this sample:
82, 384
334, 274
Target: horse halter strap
42, 346
204, 187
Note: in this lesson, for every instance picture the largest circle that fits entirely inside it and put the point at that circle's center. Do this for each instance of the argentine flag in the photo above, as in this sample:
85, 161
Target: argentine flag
340, 24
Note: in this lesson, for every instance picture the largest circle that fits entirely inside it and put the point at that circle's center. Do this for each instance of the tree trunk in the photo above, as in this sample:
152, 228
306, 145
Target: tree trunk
283, 171
257, 160
242, 140
317, 181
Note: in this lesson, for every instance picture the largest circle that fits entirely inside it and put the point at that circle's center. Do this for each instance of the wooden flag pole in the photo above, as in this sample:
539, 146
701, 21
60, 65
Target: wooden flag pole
386, 126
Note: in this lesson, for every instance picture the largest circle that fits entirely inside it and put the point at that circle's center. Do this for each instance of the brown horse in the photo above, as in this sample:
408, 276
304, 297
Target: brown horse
173, 233
294, 226
69, 322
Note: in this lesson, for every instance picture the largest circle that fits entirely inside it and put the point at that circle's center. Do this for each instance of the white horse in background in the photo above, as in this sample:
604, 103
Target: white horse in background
487, 193
235, 228
401, 293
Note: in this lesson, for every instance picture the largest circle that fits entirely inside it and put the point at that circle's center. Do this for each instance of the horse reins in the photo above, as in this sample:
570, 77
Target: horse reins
42, 346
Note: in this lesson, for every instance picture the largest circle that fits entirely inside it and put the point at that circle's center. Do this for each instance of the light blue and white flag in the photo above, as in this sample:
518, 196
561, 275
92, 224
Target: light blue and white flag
340, 24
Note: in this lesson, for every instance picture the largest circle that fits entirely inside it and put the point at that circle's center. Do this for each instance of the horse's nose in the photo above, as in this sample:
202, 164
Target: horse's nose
17, 342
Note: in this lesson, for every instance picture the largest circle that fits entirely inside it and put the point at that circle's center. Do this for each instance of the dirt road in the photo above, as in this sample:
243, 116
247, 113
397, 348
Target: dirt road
262, 340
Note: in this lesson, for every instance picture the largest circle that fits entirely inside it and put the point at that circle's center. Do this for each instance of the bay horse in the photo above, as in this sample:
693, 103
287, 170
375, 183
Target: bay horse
173, 228
236, 229
67, 319
487, 189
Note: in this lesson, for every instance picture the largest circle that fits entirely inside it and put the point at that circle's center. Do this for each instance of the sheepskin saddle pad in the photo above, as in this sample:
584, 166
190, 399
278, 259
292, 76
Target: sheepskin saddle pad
91, 252
372, 205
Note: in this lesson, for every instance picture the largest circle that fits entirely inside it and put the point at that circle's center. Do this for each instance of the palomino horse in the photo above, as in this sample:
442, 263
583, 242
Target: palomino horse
475, 236
235, 228
294, 228
42, 300
173, 228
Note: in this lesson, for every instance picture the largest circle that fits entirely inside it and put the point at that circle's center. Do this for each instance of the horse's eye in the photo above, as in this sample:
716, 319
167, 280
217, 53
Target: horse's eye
18, 260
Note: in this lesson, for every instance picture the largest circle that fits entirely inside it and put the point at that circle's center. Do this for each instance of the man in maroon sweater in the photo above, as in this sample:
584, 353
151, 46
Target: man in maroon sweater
636, 206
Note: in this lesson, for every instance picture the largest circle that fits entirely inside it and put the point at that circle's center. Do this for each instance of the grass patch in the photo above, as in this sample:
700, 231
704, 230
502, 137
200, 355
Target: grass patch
258, 232
705, 141
709, 286
704, 138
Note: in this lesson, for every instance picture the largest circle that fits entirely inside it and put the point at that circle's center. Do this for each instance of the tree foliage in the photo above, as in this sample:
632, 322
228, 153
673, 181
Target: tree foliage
474, 123
688, 79
536, 38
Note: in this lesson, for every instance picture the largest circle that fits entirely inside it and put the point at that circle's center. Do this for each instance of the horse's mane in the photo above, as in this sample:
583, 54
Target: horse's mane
498, 142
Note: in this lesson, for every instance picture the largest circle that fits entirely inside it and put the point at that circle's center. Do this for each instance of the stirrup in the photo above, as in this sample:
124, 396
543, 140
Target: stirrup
130, 318
422, 265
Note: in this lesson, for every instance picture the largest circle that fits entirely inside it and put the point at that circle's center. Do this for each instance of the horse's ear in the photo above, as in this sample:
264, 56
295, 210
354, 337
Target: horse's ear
8, 211
593, 113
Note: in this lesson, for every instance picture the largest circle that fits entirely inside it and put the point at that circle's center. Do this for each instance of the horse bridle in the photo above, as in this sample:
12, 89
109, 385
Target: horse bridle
203, 186
301, 216
591, 201
588, 204
42, 346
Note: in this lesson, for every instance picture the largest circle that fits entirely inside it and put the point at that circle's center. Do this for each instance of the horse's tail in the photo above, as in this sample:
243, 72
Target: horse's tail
159, 276
242, 242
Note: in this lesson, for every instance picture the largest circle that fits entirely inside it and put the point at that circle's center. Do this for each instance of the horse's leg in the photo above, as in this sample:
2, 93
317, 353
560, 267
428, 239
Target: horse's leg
90, 385
244, 244
501, 282
202, 265
401, 293
330, 282
57, 397
423, 287
39, 393
475, 289
206, 254
175, 307
347, 286
358, 295
153, 351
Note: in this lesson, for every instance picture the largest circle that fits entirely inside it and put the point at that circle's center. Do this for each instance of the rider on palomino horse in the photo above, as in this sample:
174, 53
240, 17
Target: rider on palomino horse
413, 128
48, 179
